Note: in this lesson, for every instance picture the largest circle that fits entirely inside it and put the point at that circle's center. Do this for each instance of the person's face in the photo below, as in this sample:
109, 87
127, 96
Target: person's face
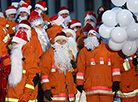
37, 8
23, 28
23, 14
89, 20
11, 16
64, 15
61, 41
76, 27
69, 35
39, 26
91, 35
14, 43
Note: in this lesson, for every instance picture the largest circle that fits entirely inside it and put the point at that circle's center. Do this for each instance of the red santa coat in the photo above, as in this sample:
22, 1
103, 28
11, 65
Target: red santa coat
98, 69
129, 80
26, 86
61, 85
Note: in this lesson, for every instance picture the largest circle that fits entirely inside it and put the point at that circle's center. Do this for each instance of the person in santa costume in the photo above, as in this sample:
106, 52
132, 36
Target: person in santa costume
41, 8
39, 30
57, 23
57, 80
24, 76
75, 24
64, 12
10, 13
24, 2
99, 70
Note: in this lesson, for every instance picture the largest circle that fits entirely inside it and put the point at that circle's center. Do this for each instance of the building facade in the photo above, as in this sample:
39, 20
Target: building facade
77, 8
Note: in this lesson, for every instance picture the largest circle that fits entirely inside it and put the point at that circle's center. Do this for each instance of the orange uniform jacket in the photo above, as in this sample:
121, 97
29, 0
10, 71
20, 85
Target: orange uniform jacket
45, 17
97, 70
129, 80
35, 43
53, 31
61, 85
26, 86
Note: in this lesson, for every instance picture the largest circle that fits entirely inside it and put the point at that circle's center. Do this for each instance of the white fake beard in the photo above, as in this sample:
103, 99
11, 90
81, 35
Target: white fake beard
15, 75
62, 57
67, 20
28, 34
91, 42
73, 46
75, 29
22, 18
92, 23
39, 12
43, 38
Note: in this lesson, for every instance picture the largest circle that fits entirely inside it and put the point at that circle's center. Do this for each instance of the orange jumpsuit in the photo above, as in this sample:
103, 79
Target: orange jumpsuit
129, 80
98, 69
53, 31
62, 86
26, 86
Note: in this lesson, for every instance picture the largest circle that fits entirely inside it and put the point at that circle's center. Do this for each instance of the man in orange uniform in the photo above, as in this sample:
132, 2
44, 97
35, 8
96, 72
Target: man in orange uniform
57, 26
129, 79
38, 33
57, 79
99, 72
41, 8
24, 75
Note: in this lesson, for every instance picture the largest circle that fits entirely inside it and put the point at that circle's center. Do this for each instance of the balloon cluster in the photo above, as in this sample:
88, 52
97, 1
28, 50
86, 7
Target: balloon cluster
121, 26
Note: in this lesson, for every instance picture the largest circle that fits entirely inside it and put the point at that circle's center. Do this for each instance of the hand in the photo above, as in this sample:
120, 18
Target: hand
48, 95
73, 64
36, 79
80, 88
115, 86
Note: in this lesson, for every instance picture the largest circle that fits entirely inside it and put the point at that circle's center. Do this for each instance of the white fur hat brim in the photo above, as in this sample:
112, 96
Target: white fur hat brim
70, 31
60, 37
63, 11
75, 24
10, 11
24, 9
58, 21
24, 25
90, 17
41, 7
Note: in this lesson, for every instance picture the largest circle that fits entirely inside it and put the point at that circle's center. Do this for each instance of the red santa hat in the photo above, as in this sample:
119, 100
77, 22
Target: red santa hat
74, 23
26, 8
94, 31
70, 31
25, 23
15, 3
35, 19
57, 20
10, 10
90, 15
87, 27
63, 10
60, 35
24, 2
41, 5
20, 37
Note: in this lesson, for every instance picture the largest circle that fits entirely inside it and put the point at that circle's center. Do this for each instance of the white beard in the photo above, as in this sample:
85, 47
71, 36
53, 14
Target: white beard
22, 18
28, 34
15, 75
73, 46
91, 42
67, 20
62, 57
92, 23
43, 38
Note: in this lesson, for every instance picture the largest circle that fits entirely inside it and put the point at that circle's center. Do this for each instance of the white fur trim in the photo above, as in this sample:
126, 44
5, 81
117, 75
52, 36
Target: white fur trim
58, 21
19, 40
60, 37
10, 11
75, 24
22, 2
94, 33
90, 17
63, 11
38, 5
15, 4
24, 25
70, 31
24, 9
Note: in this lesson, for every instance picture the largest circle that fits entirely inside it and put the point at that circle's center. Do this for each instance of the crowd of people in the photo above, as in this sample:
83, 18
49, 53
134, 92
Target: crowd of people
57, 59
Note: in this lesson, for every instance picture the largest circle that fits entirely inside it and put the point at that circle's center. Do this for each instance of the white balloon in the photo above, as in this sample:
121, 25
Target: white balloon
116, 9
137, 42
132, 5
129, 48
132, 30
104, 31
124, 17
118, 35
109, 18
115, 46
118, 2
